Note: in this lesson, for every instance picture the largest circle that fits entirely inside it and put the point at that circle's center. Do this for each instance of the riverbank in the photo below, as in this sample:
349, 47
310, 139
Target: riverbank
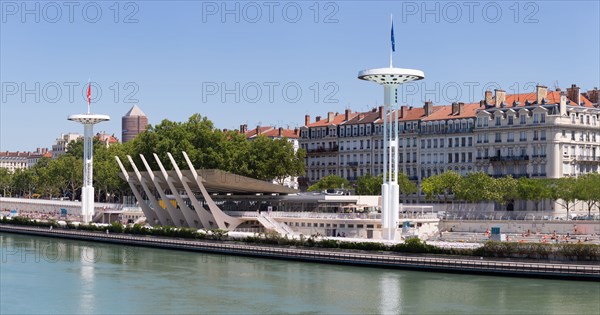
565, 271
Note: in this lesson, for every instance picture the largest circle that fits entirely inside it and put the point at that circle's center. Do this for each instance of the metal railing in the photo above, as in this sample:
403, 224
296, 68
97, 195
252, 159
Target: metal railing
323, 255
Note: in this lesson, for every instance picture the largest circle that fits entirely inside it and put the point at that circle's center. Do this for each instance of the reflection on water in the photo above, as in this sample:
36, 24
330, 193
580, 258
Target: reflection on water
62, 276
87, 260
391, 299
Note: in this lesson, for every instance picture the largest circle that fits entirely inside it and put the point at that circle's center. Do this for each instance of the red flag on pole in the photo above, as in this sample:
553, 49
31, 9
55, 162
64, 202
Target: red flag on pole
89, 93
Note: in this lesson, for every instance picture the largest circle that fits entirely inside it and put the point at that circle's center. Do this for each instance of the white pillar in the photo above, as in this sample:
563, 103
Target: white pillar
390, 78
87, 191
390, 191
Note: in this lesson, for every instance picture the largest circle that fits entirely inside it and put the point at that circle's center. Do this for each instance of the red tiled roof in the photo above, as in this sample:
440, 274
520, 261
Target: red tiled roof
288, 133
272, 132
363, 118
410, 113
553, 97
261, 129
445, 112
14, 154
25, 154
337, 119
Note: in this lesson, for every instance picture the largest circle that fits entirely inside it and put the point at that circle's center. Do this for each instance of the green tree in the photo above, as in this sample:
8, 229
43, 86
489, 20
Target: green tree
46, 183
564, 192
210, 148
535, 190
441, 185
507, 189
270, 159
477, 187
588, 191
329, 182
406, 186
6, 179
69, 174
369, 185
24, 182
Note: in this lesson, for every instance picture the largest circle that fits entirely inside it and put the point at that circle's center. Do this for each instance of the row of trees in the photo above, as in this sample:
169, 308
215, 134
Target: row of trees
208, 147
63, 176
478, 187
365, 185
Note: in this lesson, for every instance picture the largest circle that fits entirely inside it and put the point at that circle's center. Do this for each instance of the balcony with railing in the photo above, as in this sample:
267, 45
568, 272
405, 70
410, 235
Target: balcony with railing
319, 150
509, 158
587, 158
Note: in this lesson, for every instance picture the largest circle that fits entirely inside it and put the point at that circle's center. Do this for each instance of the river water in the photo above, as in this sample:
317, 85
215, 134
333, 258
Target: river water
41, 275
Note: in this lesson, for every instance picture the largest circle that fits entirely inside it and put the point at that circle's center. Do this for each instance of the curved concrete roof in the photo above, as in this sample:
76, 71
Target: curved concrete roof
217, 181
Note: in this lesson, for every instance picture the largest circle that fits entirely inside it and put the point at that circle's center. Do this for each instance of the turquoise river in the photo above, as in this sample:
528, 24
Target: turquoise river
54, 276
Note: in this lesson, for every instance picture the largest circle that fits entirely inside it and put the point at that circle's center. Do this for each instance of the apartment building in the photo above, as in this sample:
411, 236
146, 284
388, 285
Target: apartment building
13, 161
60, 144
542, 134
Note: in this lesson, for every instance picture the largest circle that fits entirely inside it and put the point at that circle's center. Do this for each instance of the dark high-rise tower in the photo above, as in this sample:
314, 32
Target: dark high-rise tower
133, 123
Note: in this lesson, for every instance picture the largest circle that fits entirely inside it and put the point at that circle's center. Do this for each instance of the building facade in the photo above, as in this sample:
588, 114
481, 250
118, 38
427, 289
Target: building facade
13, 161
542, 134
60, 144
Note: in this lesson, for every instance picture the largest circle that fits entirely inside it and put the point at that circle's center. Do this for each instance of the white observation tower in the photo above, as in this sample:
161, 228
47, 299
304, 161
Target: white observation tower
87, 191
390, 78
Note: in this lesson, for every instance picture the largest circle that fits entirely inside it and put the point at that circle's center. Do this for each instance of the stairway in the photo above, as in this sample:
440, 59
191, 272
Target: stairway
271, 224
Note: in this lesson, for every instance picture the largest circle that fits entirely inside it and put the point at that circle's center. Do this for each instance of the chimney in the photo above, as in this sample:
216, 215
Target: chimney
488, 97
281, 131
500, 97
347, 114
592, 95
573, 93
541, 92
454, 108
330, 117
257, 130
403, 110
306, 120
428, 108
243, 128
461, 108
318, 118
380, 112
563, 104
482, 104
296, 131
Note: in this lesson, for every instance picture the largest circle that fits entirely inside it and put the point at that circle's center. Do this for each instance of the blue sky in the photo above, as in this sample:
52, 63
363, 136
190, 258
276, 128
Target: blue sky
273, 62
